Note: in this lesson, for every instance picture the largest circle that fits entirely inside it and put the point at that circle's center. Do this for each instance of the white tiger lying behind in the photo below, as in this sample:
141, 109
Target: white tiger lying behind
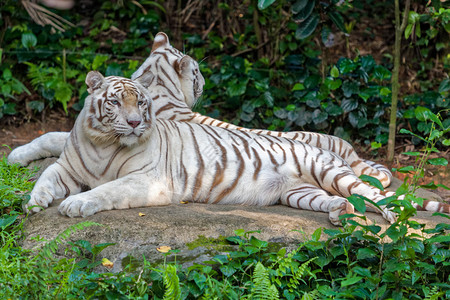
177, 76
128, 158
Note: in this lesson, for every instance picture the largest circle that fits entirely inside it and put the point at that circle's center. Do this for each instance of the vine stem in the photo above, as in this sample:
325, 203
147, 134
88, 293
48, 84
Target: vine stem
399, 28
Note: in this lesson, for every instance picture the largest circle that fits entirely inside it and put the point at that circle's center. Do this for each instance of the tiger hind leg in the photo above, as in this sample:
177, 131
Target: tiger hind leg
309, 197
433, 206
370, 168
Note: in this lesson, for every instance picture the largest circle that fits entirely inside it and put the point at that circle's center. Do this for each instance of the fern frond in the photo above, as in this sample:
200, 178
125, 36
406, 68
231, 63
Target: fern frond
171, 283
262, 287
51, 247
38, 75
311, 295
434, 294
298, 274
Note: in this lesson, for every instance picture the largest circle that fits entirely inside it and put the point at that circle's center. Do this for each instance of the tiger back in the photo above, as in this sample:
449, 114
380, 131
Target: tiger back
165, 59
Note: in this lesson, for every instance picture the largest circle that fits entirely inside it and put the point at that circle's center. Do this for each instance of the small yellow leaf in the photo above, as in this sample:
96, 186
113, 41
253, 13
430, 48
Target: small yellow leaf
184, 202
164, 249
107, 263
141, 214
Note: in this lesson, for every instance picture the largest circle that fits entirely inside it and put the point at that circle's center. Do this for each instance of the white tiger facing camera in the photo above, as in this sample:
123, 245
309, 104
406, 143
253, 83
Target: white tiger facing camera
122, 112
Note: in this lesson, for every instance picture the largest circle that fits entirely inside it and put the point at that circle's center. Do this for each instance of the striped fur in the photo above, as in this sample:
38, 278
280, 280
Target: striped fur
124, 157
176, 85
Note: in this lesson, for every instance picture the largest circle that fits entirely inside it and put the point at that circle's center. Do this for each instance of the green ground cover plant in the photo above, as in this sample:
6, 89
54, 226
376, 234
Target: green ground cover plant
357, 261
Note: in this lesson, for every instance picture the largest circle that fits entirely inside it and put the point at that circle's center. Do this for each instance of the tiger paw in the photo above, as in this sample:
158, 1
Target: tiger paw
21, 156
38, 201
389, 215
78, 206
339, 207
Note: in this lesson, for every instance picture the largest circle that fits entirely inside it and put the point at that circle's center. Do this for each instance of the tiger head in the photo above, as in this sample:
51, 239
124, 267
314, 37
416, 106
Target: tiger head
178, 71
117, 109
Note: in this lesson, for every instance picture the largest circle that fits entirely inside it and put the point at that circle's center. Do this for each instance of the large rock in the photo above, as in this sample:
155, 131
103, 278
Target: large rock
177, 225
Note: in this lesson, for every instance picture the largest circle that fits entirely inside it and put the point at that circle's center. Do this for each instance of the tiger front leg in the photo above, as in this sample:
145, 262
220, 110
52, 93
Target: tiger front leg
127, 192
48, 145
54, 183
310, 197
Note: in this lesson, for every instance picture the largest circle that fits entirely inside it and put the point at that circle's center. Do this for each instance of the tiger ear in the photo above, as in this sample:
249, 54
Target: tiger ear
182, 66
94, 80
161, 40
145, 79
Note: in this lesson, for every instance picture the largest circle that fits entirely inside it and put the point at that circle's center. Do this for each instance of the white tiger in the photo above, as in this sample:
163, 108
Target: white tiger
178, 76
126, 158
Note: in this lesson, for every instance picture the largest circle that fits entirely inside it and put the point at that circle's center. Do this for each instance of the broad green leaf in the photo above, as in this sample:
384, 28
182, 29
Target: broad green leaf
349, 88
436, 4
406, 169
372, 181
319, 116
334, 110
349, 104
36, 105
268, 98
439, 239
29, 40
393, 232
441, 215
445, 85
337, 19
375, 145
298, 6
7, 75
358, 202
334, 72
307, 27
408, 30
421, 113
263, 4
365, 253
237, 87
440, 161
98, 61
258, 243
9, 108
350, 281
317, 234
239, 232
333, 84
381, 73
227, 270
5, 222
415, 153
385, 91
298, 87
100, 247
290, 107
403, 130
305, 12
114, 69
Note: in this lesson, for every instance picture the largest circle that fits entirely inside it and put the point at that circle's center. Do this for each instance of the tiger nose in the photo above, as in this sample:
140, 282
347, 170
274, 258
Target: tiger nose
134, 123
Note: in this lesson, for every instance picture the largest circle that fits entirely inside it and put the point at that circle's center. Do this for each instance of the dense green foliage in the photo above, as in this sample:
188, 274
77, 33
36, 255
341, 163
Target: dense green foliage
271, 66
